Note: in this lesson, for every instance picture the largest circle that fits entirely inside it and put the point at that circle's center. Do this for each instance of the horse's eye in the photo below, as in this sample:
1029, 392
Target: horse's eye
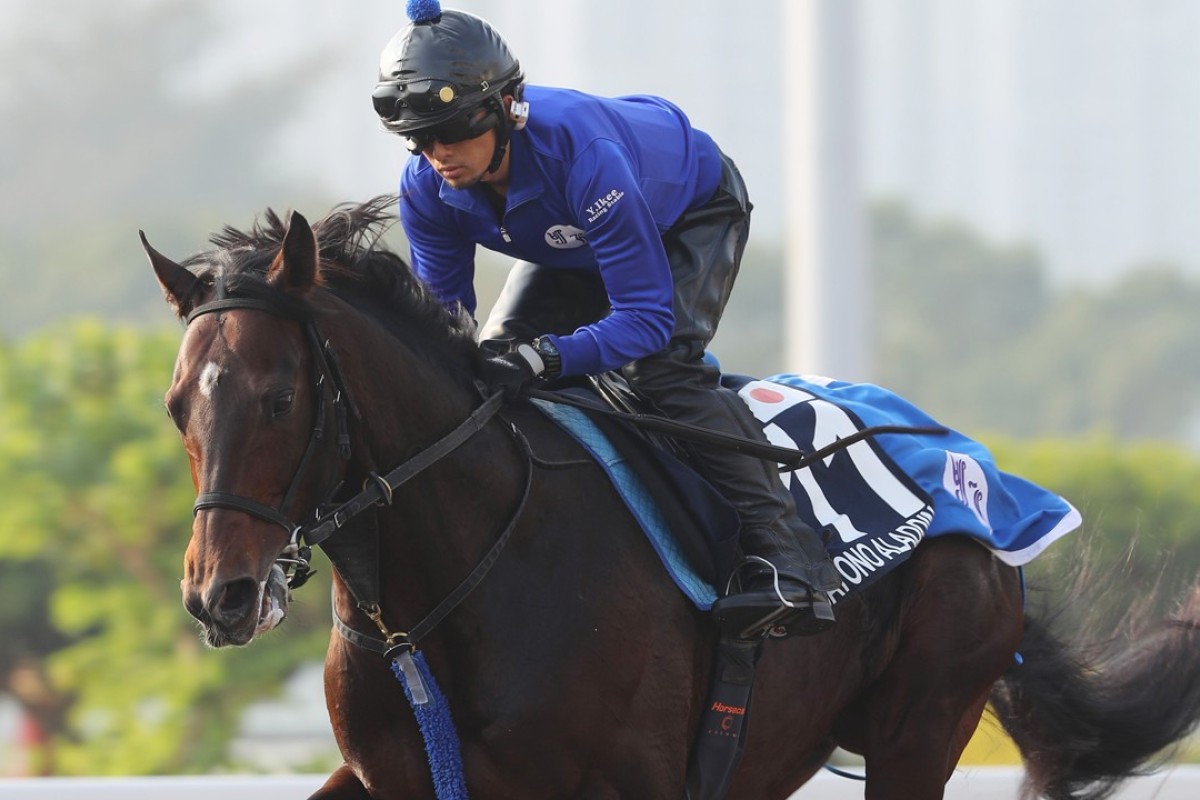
176, 411
283, 403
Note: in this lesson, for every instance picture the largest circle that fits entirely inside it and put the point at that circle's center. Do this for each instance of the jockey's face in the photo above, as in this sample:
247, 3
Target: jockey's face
463, 164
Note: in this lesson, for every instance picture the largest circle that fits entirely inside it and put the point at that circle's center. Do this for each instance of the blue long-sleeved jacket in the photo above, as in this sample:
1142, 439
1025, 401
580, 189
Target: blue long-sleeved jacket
594, 182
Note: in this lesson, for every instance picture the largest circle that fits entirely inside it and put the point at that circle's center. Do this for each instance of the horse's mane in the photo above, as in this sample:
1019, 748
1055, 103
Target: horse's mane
353, 264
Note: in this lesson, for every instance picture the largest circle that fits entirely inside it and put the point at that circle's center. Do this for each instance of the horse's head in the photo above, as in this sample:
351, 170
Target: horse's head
249, 396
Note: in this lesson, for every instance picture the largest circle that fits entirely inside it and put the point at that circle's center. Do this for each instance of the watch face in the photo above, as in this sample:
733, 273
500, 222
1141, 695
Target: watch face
550, 357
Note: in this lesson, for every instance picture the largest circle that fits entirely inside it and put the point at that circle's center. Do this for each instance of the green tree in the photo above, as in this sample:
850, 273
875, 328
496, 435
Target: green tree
1140, 502
1125, 359
97, 500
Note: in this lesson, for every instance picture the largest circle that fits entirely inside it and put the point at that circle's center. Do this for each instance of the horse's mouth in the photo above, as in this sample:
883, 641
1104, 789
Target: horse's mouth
274, 604
273, 598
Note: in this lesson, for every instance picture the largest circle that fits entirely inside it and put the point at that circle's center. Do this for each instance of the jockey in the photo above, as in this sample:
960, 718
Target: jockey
628, 227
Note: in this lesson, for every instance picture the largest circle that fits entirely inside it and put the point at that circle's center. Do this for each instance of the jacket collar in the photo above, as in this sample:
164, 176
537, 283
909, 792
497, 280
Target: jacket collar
525, 182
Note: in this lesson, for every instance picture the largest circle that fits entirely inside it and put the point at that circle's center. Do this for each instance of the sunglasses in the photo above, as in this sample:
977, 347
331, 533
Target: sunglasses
459, 129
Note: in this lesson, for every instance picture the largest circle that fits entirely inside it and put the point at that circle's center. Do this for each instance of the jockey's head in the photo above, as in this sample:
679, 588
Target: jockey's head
445, 76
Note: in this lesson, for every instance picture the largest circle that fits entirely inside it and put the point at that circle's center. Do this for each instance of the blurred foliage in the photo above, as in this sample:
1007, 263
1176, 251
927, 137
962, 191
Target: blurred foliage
974, 333
1140, 541
96, 518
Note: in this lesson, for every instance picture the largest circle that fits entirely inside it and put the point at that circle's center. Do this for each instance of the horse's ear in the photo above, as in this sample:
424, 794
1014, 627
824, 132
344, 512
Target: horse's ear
295, 268
177, 282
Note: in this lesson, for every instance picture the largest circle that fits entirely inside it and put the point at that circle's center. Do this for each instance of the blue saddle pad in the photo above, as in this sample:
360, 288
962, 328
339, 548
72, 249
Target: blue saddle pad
873, 501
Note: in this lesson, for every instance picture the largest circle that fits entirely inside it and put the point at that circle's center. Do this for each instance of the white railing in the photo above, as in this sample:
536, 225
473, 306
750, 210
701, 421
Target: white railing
969, 783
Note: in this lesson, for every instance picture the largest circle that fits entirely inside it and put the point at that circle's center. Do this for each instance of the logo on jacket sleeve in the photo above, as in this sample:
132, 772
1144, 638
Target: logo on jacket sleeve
602, 204
565, 237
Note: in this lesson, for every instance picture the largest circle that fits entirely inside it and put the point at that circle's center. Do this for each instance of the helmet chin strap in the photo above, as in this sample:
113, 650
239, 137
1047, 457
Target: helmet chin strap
503, 132
512, 118
498, 155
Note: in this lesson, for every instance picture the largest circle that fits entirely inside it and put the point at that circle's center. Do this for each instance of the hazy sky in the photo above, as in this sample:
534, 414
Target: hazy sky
1067, 123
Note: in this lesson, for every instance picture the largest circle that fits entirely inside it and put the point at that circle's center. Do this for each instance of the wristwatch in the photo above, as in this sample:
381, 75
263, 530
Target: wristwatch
551, 358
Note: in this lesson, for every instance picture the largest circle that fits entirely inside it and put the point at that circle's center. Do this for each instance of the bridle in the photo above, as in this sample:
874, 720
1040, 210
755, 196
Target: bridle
328, 518
296, 555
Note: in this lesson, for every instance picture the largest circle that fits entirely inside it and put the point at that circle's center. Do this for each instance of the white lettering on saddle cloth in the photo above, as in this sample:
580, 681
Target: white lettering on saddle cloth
858, 493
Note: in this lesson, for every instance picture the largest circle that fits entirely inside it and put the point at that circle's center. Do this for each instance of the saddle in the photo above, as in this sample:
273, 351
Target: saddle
691, 525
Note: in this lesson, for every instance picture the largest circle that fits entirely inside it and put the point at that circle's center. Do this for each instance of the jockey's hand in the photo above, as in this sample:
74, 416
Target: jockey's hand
512, 373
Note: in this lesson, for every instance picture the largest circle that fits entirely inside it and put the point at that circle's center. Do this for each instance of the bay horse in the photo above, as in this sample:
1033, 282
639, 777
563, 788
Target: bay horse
574, 667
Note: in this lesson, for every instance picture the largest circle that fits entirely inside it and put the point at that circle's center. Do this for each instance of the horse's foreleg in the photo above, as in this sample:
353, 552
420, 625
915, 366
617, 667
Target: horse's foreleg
343, 784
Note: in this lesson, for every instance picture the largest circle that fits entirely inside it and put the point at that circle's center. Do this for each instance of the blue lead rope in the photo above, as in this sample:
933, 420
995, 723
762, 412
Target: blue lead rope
437, 728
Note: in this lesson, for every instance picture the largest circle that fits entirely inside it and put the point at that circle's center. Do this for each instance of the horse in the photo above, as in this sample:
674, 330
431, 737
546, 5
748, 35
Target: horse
572, 666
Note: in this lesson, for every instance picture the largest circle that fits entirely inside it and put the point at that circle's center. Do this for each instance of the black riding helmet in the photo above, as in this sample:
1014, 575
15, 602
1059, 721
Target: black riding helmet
439, 71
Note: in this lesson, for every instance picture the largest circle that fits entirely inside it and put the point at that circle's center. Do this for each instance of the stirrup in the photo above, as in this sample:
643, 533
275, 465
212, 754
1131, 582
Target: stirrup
753, 615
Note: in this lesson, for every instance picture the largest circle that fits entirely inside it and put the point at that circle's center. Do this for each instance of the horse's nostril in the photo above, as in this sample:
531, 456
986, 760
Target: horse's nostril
235, 600
193, 604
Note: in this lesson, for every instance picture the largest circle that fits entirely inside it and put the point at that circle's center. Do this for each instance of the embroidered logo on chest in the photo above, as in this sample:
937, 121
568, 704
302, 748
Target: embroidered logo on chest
565, 237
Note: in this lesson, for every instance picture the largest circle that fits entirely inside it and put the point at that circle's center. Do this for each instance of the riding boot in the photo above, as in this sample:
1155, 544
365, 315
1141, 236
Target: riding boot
778, 590
781, 588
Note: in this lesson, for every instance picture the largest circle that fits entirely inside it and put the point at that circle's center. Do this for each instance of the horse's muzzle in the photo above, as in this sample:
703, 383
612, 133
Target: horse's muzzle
234, 612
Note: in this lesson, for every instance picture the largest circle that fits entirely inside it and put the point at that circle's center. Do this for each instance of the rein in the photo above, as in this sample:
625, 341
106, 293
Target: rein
787, 457
378, 491
394, 642
381, 487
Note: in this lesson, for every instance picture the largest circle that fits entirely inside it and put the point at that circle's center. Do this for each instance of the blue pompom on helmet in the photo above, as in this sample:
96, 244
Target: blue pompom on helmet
441, 68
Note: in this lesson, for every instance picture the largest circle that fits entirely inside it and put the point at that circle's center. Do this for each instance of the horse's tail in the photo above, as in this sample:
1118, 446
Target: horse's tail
1087, 717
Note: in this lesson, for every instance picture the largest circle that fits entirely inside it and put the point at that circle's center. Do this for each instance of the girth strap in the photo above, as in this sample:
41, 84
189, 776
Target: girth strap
721, 734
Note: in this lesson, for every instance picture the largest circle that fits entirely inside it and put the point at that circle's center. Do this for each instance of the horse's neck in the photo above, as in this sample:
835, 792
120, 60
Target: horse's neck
441, 522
